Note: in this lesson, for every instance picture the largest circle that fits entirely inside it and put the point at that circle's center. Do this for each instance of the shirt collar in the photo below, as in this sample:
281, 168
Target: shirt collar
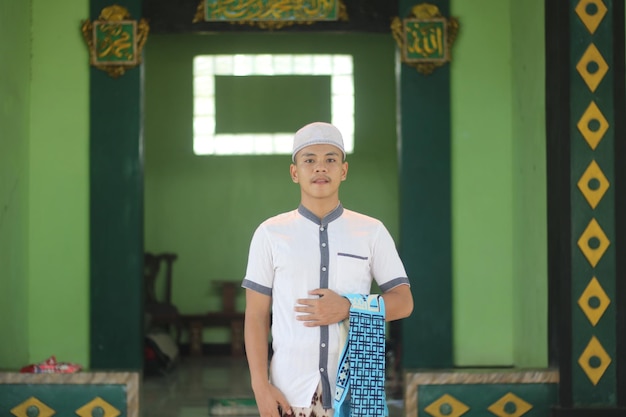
333, 215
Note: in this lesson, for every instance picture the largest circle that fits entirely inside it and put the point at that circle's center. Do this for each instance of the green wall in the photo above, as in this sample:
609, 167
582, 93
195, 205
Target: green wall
58, 203
498, 176
14, 105
481, 185
498, 191
530, 224
43, 193
205, 208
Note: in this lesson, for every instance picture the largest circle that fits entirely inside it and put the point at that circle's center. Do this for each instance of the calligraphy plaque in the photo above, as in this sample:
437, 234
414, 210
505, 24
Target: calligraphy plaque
115, 42
425, 37
425, 40
271, 10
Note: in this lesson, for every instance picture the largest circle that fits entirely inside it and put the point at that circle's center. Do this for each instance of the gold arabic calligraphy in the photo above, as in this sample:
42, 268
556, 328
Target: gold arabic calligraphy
116, 43
271, 9
427, 40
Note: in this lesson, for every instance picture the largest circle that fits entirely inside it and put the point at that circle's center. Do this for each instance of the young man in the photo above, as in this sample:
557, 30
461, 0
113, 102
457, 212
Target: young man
299, 266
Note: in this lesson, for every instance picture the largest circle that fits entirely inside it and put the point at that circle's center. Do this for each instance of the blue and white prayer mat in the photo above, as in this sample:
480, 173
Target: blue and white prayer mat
361, 374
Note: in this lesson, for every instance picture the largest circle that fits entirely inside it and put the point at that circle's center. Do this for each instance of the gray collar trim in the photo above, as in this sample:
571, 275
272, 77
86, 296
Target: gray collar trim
333, 215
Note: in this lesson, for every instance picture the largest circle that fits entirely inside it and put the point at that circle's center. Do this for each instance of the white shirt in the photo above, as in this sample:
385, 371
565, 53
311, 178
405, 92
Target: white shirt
296, 252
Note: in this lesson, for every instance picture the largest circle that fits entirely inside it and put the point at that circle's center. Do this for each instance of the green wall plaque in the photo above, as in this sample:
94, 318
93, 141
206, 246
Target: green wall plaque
425, 37
425, 40
269, 14
115, 41
269, 10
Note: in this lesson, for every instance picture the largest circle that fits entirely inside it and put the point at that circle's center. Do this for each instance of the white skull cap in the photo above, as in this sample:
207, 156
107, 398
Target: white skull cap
315, 134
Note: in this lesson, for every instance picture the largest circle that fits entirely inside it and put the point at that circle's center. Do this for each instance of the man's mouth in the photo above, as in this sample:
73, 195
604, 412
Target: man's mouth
321, 180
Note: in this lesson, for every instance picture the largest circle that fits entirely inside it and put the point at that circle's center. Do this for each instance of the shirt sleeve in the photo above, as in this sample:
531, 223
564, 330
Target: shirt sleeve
260, 270
387, 267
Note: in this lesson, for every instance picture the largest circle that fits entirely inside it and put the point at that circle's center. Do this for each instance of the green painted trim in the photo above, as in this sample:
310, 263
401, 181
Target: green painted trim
619, 150
425, 210
116, 215
558, 187
586, 392
481, 398
63, 399
480, 392
84, 393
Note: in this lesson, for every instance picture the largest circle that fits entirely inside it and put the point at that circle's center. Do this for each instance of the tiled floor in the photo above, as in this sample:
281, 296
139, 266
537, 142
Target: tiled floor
186, 390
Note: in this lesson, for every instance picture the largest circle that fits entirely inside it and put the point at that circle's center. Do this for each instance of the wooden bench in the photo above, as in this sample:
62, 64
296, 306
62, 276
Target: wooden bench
197, 322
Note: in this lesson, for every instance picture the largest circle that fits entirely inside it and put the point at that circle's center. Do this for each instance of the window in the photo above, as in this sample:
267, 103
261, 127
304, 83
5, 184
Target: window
207, 141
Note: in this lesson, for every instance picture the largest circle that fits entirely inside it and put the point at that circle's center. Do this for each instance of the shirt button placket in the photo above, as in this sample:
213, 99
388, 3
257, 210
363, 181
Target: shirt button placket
324, 266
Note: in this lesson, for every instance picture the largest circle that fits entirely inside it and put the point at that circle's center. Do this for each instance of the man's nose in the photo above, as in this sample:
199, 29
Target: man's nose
320, 166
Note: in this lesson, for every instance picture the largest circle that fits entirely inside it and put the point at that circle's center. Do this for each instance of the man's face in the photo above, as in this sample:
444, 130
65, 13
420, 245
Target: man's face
319, 170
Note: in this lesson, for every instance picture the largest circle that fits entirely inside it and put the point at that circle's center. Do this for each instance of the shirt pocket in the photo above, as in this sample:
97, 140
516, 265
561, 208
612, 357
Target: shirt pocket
353, 273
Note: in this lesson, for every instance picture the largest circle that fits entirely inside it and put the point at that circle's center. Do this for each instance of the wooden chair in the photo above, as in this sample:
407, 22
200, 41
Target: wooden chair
161, 312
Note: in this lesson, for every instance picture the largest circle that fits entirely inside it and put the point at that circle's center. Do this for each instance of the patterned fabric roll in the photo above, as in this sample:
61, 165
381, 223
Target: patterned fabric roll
361, 374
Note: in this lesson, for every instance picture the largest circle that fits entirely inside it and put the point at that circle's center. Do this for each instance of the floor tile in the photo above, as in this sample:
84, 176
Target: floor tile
185, 391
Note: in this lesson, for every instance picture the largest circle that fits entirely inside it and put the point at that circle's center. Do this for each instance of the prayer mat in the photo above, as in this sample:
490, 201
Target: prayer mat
361, 374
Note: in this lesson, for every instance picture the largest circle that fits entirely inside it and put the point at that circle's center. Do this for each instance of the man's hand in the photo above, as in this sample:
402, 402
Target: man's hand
328, 308
268, 399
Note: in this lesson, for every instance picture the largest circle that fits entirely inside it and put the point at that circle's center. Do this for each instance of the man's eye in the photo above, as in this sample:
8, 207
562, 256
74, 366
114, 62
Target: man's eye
331, 160
308, 161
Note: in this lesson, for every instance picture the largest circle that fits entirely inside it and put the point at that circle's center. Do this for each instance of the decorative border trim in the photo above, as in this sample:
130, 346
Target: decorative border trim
129, 379
412, 380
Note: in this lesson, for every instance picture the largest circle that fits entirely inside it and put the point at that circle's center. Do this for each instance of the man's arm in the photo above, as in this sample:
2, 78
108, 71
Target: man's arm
256, 335
331, 307
398, 302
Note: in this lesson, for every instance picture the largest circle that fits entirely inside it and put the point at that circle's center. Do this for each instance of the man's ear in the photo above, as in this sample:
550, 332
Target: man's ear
344, 173
293, 172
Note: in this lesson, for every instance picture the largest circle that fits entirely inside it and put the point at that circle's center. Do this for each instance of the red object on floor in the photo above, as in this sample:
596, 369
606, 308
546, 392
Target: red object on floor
51, 366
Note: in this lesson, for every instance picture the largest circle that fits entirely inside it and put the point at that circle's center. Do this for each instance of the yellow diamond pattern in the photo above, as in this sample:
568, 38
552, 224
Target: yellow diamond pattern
594, 290
592, 55
108, 409
591, 21
593, 230
593, 196
510, 405
22, 409
593, 113
594, 350
447, 406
